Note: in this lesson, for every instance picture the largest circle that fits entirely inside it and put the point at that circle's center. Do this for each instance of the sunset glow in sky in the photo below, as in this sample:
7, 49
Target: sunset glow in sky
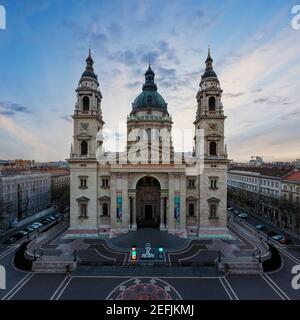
256, 57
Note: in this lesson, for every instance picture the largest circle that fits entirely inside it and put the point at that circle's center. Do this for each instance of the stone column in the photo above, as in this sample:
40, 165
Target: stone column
113, 199
162, 207
183, 203
171, 222
125, 204
134, 212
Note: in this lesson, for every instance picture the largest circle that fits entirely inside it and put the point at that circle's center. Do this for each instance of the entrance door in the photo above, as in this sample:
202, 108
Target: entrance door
148, 212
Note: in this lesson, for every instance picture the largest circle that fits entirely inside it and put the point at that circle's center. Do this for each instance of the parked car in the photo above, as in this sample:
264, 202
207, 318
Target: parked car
261, 227
37, 225
243, 215
10, 240
286, 241
34, 226
29, 229
277, 237
21, 234
272, 233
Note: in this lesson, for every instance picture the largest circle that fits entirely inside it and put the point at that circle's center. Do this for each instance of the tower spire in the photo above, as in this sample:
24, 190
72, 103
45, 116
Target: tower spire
89, 62
149, 79
209, 60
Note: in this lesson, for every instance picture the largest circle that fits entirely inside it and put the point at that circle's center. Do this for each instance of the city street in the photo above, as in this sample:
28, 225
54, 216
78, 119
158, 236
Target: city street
86, 285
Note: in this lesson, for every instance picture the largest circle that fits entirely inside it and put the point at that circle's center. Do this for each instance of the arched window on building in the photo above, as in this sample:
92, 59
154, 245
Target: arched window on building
191, 210
85, 104
149, 134
212, 104
105, 209
213, 148
84, 148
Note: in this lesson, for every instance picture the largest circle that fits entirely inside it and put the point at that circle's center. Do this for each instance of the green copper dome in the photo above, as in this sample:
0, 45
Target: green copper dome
149, 98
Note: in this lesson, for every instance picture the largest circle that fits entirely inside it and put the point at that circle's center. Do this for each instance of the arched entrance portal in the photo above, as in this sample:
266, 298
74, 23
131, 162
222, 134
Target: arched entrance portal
148, 203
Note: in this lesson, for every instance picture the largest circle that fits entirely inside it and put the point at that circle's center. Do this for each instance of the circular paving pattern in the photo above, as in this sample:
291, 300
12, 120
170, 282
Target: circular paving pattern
144, 289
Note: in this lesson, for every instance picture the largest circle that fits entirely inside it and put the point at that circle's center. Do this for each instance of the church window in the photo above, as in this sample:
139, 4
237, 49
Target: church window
213, 211
83, 210
149, 134
105, 183
213, 148
105, 209
85, 104
191, 210
213, 183
83, 183
84, 148
212, 104
191, 183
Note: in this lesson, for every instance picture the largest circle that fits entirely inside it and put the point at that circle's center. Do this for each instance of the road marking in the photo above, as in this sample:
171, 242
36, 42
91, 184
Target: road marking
228, 288
122, 277
231, 289
59, 287
63, 288
18, 286
130, 279
193, 255
275, 287
7, 252
288, 254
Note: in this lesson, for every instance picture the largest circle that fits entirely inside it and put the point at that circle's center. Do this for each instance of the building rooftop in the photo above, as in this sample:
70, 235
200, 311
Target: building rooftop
272, 172
293, 177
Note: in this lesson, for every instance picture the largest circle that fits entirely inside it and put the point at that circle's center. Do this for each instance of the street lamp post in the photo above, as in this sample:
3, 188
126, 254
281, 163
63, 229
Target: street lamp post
219, 256
75, 255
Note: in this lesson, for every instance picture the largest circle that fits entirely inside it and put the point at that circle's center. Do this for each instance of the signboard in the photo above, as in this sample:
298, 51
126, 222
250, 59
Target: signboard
177, 207
119, 207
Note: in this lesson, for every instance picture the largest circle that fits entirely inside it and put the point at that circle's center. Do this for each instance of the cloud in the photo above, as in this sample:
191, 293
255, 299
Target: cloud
21, 133
233, 95
126, 57
273, 100
11, 108
66, 118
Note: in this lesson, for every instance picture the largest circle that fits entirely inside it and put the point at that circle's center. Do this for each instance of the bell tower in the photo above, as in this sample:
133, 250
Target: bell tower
87, 114
84, 167
213, 178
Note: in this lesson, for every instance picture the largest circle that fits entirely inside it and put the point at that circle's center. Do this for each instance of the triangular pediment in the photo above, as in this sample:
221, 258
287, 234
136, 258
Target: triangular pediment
213, 199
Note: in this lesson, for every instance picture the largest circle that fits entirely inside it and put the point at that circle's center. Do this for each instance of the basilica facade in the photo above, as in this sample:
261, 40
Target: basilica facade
148, 185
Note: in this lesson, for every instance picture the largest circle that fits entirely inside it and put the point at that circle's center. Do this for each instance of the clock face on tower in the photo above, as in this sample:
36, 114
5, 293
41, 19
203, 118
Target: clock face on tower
213, 127
84, 126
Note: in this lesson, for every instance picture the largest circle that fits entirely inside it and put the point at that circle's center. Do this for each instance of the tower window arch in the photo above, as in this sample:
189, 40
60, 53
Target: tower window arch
84, 148
191, 210
213, 148
85, 104
212, 104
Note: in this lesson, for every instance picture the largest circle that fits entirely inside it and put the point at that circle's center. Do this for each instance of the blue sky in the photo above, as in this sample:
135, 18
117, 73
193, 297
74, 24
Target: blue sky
256, 56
